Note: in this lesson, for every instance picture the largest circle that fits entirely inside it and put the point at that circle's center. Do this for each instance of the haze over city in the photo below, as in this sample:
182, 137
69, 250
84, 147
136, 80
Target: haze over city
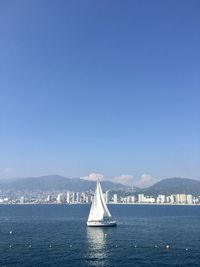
93, 89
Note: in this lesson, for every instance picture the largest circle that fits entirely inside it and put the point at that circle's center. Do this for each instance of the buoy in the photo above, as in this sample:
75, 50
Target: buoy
10, 246
11, 232
167, 246
116, 246
135, 246
155, 246
30, 246
186, 249
50, 246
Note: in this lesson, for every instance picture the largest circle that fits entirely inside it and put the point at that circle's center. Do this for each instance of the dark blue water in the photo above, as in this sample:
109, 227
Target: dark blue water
56, 235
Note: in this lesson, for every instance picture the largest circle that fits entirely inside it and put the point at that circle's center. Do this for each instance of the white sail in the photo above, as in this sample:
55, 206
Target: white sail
99, 210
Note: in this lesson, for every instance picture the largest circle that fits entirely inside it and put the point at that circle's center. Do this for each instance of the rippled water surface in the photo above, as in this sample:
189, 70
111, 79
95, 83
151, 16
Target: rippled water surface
56, 235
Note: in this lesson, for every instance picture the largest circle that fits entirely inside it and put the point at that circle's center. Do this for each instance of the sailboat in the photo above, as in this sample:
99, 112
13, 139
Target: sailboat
99, 214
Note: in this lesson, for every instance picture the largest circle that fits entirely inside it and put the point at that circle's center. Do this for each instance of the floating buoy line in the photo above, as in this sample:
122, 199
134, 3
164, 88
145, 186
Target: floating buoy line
50, 246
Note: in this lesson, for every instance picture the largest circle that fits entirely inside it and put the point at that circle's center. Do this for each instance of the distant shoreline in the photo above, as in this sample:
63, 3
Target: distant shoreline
71, 204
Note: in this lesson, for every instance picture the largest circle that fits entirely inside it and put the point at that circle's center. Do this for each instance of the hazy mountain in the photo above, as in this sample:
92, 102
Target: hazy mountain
55, 182
174, 186
58, 183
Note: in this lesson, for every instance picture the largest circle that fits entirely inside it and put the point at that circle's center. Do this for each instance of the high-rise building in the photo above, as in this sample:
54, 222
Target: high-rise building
141, 198
161, 199
68, 199
115, 198
189, 199
22, 200
108, 196
133, 199
183, 198
49, 198
177, 198
73, 197
78, 197
171, 199
88, 199
83, 197
60, 198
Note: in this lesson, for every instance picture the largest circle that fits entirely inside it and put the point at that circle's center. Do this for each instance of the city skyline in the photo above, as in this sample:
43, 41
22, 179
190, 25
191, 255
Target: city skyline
110, 197
100, 88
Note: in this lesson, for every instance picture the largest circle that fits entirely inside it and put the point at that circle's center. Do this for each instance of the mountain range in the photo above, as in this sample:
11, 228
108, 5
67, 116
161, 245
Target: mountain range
59, 183
174, 186
55, 183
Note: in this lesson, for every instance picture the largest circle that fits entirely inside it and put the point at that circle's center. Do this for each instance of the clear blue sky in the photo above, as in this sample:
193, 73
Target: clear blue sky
100, 86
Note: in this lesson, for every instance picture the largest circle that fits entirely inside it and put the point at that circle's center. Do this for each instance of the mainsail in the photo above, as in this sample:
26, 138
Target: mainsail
99, 210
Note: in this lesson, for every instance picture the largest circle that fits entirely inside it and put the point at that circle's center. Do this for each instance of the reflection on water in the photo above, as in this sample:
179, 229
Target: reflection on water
97, 246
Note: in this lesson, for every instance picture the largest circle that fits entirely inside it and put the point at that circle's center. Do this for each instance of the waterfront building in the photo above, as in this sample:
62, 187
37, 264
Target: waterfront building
170, 199
141, 198
189, 199
183, 198
49, 198
149, 199
196, 200
124, 199
180, 198
60, 198
177, 198
22, 200
88, 199
130, 199
73, 197
133, 200
68, 198
161, 199
78, 197
83, 197
115, 198
108, 196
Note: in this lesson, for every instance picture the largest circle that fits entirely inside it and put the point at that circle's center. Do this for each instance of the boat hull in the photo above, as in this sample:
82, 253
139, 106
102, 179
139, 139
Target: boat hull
102, 224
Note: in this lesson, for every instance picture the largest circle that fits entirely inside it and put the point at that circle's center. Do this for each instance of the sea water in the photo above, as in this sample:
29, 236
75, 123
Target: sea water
56, 235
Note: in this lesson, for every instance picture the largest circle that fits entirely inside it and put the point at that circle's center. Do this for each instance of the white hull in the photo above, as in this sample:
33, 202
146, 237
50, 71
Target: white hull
101, 223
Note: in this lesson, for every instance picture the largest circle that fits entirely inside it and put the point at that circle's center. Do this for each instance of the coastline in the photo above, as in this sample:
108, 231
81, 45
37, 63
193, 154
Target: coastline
147, 204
